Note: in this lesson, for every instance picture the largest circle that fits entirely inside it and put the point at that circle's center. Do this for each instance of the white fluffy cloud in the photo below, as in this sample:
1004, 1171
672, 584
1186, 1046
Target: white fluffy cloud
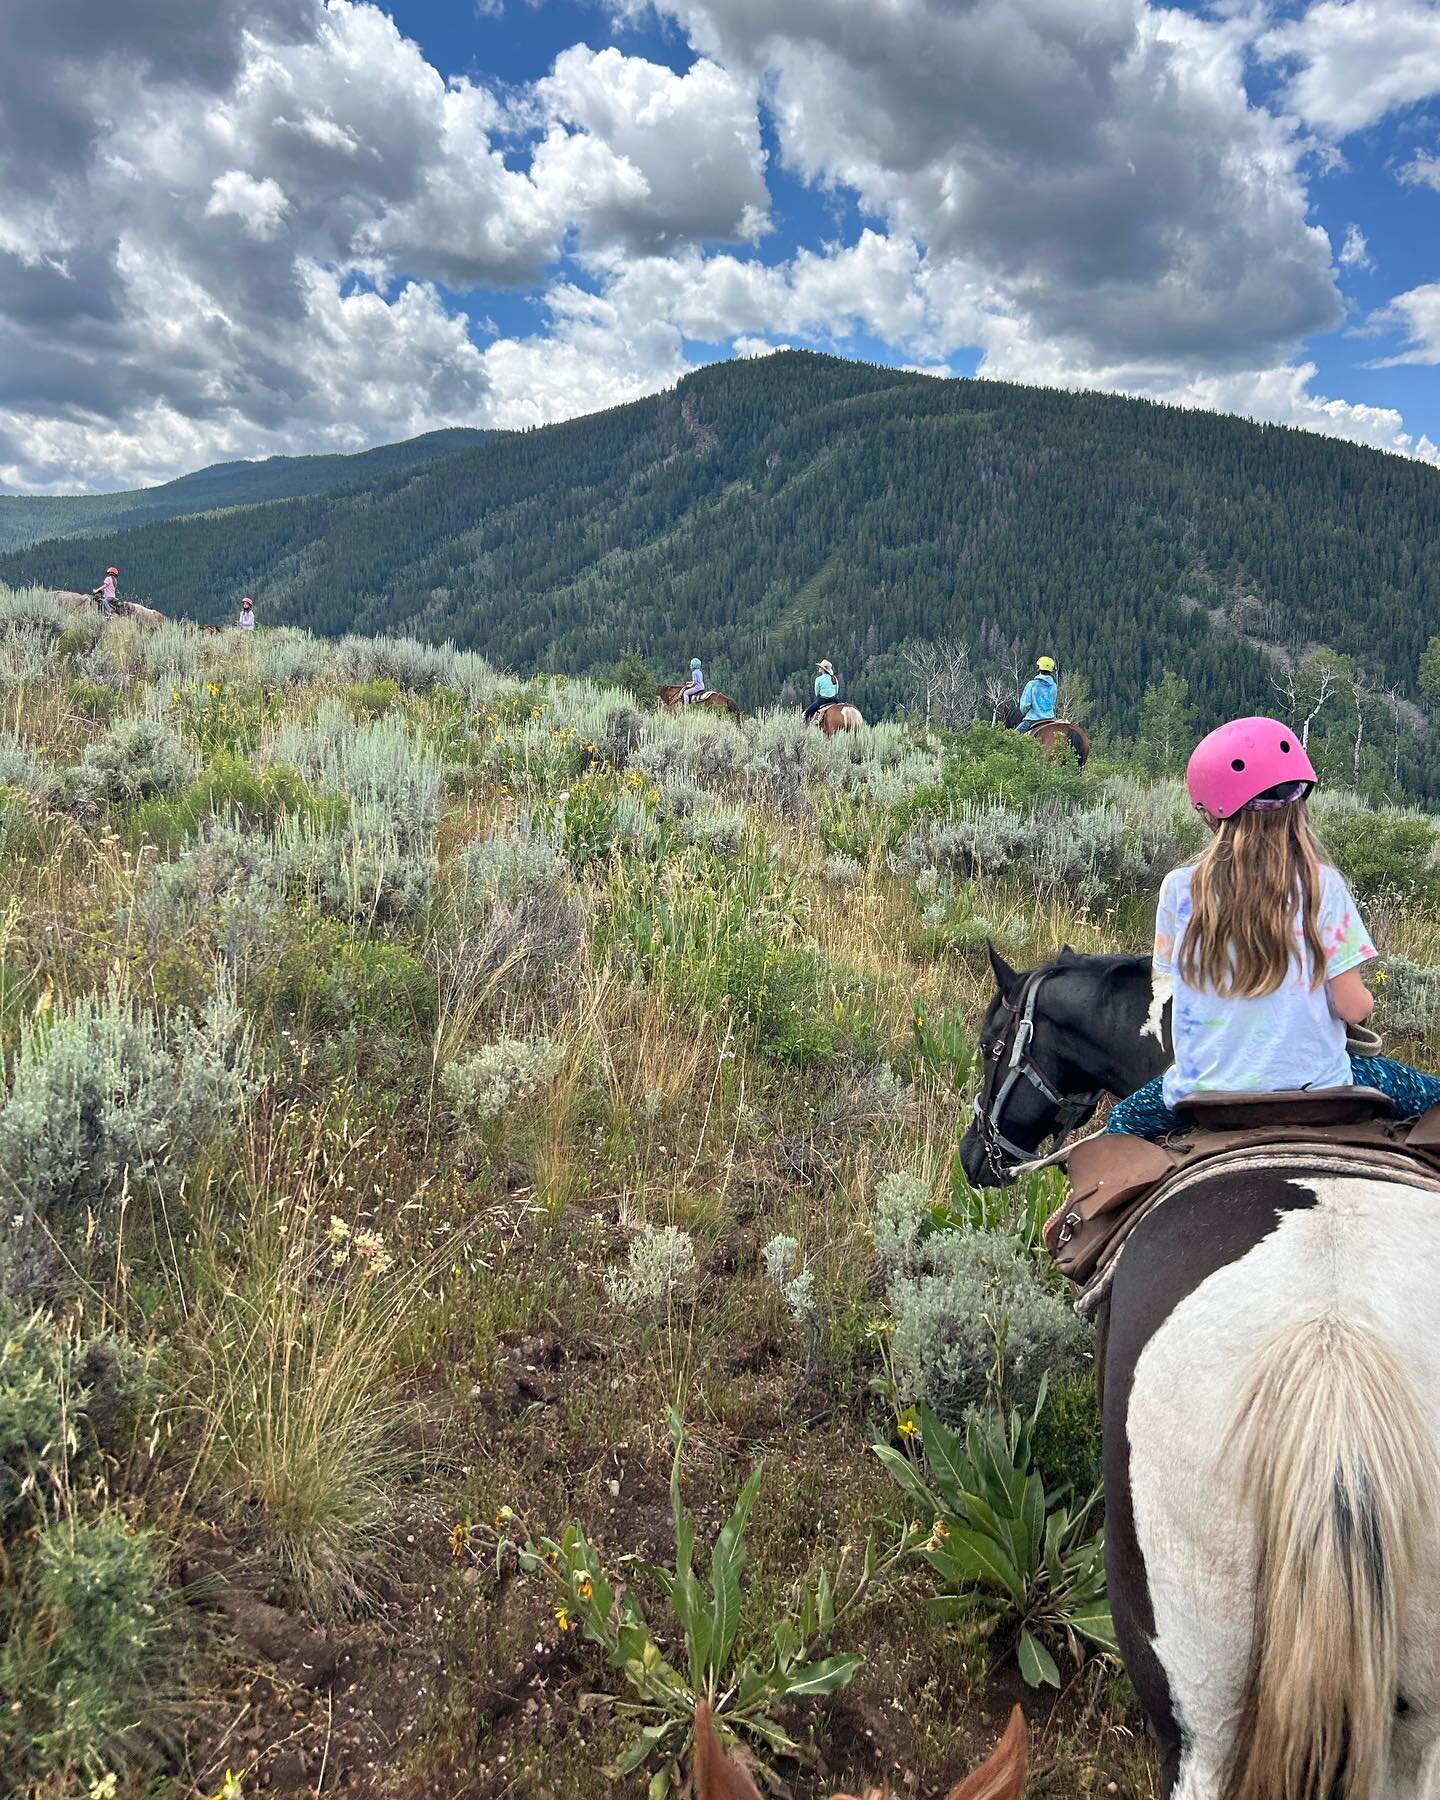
1355, 251
647, 158
251, 250
260, 206
1098, 165
1353, 61
1417, 315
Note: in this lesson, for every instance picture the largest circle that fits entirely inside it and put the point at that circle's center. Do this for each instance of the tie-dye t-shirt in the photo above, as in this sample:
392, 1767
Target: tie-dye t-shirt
1289, 1039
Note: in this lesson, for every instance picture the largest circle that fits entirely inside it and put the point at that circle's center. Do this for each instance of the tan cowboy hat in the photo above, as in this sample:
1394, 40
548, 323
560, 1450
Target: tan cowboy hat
826, 667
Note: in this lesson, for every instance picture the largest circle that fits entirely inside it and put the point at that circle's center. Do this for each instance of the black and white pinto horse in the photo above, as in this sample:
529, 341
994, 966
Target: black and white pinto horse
1271, 1427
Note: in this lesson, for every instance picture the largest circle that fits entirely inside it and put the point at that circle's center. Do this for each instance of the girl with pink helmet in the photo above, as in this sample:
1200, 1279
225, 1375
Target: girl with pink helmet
1259, 946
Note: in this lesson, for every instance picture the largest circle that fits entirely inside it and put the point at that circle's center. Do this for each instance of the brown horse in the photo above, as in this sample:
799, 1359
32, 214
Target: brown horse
1057, 735
839, 715
1002, 1777
711, 698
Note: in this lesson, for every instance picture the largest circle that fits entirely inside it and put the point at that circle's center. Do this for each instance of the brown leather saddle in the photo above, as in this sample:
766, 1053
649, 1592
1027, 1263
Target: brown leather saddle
1116, 1179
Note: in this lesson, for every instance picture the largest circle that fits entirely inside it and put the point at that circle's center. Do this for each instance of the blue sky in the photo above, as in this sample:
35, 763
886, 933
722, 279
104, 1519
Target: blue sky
321, 224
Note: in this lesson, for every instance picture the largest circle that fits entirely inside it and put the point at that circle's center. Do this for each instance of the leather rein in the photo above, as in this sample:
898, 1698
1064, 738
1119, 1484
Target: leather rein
1011, 1054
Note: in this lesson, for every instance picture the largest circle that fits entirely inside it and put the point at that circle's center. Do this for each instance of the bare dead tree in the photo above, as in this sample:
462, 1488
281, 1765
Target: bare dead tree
1392, 701
1360, 690
1284, 686
945, 683
1000, 696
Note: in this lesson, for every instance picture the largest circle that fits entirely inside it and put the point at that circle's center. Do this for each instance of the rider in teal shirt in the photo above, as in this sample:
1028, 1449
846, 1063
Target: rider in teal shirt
827, 688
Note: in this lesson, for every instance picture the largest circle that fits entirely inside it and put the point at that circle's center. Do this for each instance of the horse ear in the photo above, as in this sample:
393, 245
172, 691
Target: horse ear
1003, 1776
1066, 954
716, 1777
1005, 976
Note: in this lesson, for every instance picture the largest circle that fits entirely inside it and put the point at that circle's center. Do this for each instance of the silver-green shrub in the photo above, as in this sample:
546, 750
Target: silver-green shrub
973, 1320
411, 665
224, 893
980, 840
138, 758
20, 767
514, 904
483, 1087
1409, 995
719, 829
90, 1666
287, 657
108, 1099
902, 1204
169, 652
659, 1268
364, 870
373, 763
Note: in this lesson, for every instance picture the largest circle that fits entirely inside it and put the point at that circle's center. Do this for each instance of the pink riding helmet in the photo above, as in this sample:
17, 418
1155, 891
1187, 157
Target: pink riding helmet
1240, 761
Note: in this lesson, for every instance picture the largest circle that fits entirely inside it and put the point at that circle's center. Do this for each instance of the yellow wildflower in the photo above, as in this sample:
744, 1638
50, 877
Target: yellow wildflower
104, 1788
231, 1788
908, 1426
562, 1617
584, 1587
212, 688
459, 1540
939, 1531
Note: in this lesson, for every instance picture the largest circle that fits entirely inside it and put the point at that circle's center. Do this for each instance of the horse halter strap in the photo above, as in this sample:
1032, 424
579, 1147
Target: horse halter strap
1013, 1050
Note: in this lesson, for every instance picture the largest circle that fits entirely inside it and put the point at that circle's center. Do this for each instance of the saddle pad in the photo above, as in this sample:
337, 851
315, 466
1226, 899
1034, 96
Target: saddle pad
1113, 1174
1396, 1165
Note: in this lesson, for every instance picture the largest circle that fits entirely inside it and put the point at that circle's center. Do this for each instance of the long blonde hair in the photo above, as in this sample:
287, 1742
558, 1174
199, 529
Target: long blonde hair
1261, 869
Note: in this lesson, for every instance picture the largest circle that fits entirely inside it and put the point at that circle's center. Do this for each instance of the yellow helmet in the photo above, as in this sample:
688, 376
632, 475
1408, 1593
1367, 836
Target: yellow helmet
1045, 664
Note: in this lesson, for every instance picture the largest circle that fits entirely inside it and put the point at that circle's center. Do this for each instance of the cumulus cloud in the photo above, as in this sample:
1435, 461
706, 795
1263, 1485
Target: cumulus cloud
1417, 315
646, 158
1100, 166
260, 206
1351, 62
258, 227
1355, 251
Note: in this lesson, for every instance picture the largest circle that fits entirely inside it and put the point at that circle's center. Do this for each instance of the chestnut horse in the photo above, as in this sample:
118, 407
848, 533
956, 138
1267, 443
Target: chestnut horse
711, 698
839, 715
1055, 735
1002, 1777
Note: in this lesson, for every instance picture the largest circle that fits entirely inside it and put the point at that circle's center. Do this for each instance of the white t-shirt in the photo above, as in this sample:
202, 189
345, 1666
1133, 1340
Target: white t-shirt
1292, 1038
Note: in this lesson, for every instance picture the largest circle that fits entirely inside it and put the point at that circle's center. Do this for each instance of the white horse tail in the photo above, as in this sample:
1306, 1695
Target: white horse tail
1340, 1478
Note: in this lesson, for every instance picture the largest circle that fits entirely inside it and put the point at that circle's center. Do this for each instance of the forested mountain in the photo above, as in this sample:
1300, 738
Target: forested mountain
767, 513
26, 519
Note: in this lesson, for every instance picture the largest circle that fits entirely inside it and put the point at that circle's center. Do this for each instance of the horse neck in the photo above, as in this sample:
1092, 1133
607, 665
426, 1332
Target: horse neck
1101, 1021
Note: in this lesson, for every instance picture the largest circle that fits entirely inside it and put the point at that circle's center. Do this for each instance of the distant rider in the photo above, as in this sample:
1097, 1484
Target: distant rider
1037, 703
827, 688
696, 685
247, 614
107, 593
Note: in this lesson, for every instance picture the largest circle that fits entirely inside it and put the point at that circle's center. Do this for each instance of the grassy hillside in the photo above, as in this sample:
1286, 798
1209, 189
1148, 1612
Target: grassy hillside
767, 513
420, 1087
26, 519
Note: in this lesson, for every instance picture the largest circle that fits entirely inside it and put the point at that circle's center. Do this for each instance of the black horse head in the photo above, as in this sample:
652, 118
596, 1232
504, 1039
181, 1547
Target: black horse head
1055, 1039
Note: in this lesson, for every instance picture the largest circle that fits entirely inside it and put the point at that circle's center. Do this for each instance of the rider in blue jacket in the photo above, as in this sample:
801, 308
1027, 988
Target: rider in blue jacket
1037, 703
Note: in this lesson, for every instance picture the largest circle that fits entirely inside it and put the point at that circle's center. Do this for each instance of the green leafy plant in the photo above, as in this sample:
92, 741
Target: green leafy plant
745, 1676
945, 1047
1007, 1554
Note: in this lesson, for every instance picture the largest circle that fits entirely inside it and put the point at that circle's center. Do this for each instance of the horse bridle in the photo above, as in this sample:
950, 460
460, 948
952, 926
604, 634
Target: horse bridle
1011, 1053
